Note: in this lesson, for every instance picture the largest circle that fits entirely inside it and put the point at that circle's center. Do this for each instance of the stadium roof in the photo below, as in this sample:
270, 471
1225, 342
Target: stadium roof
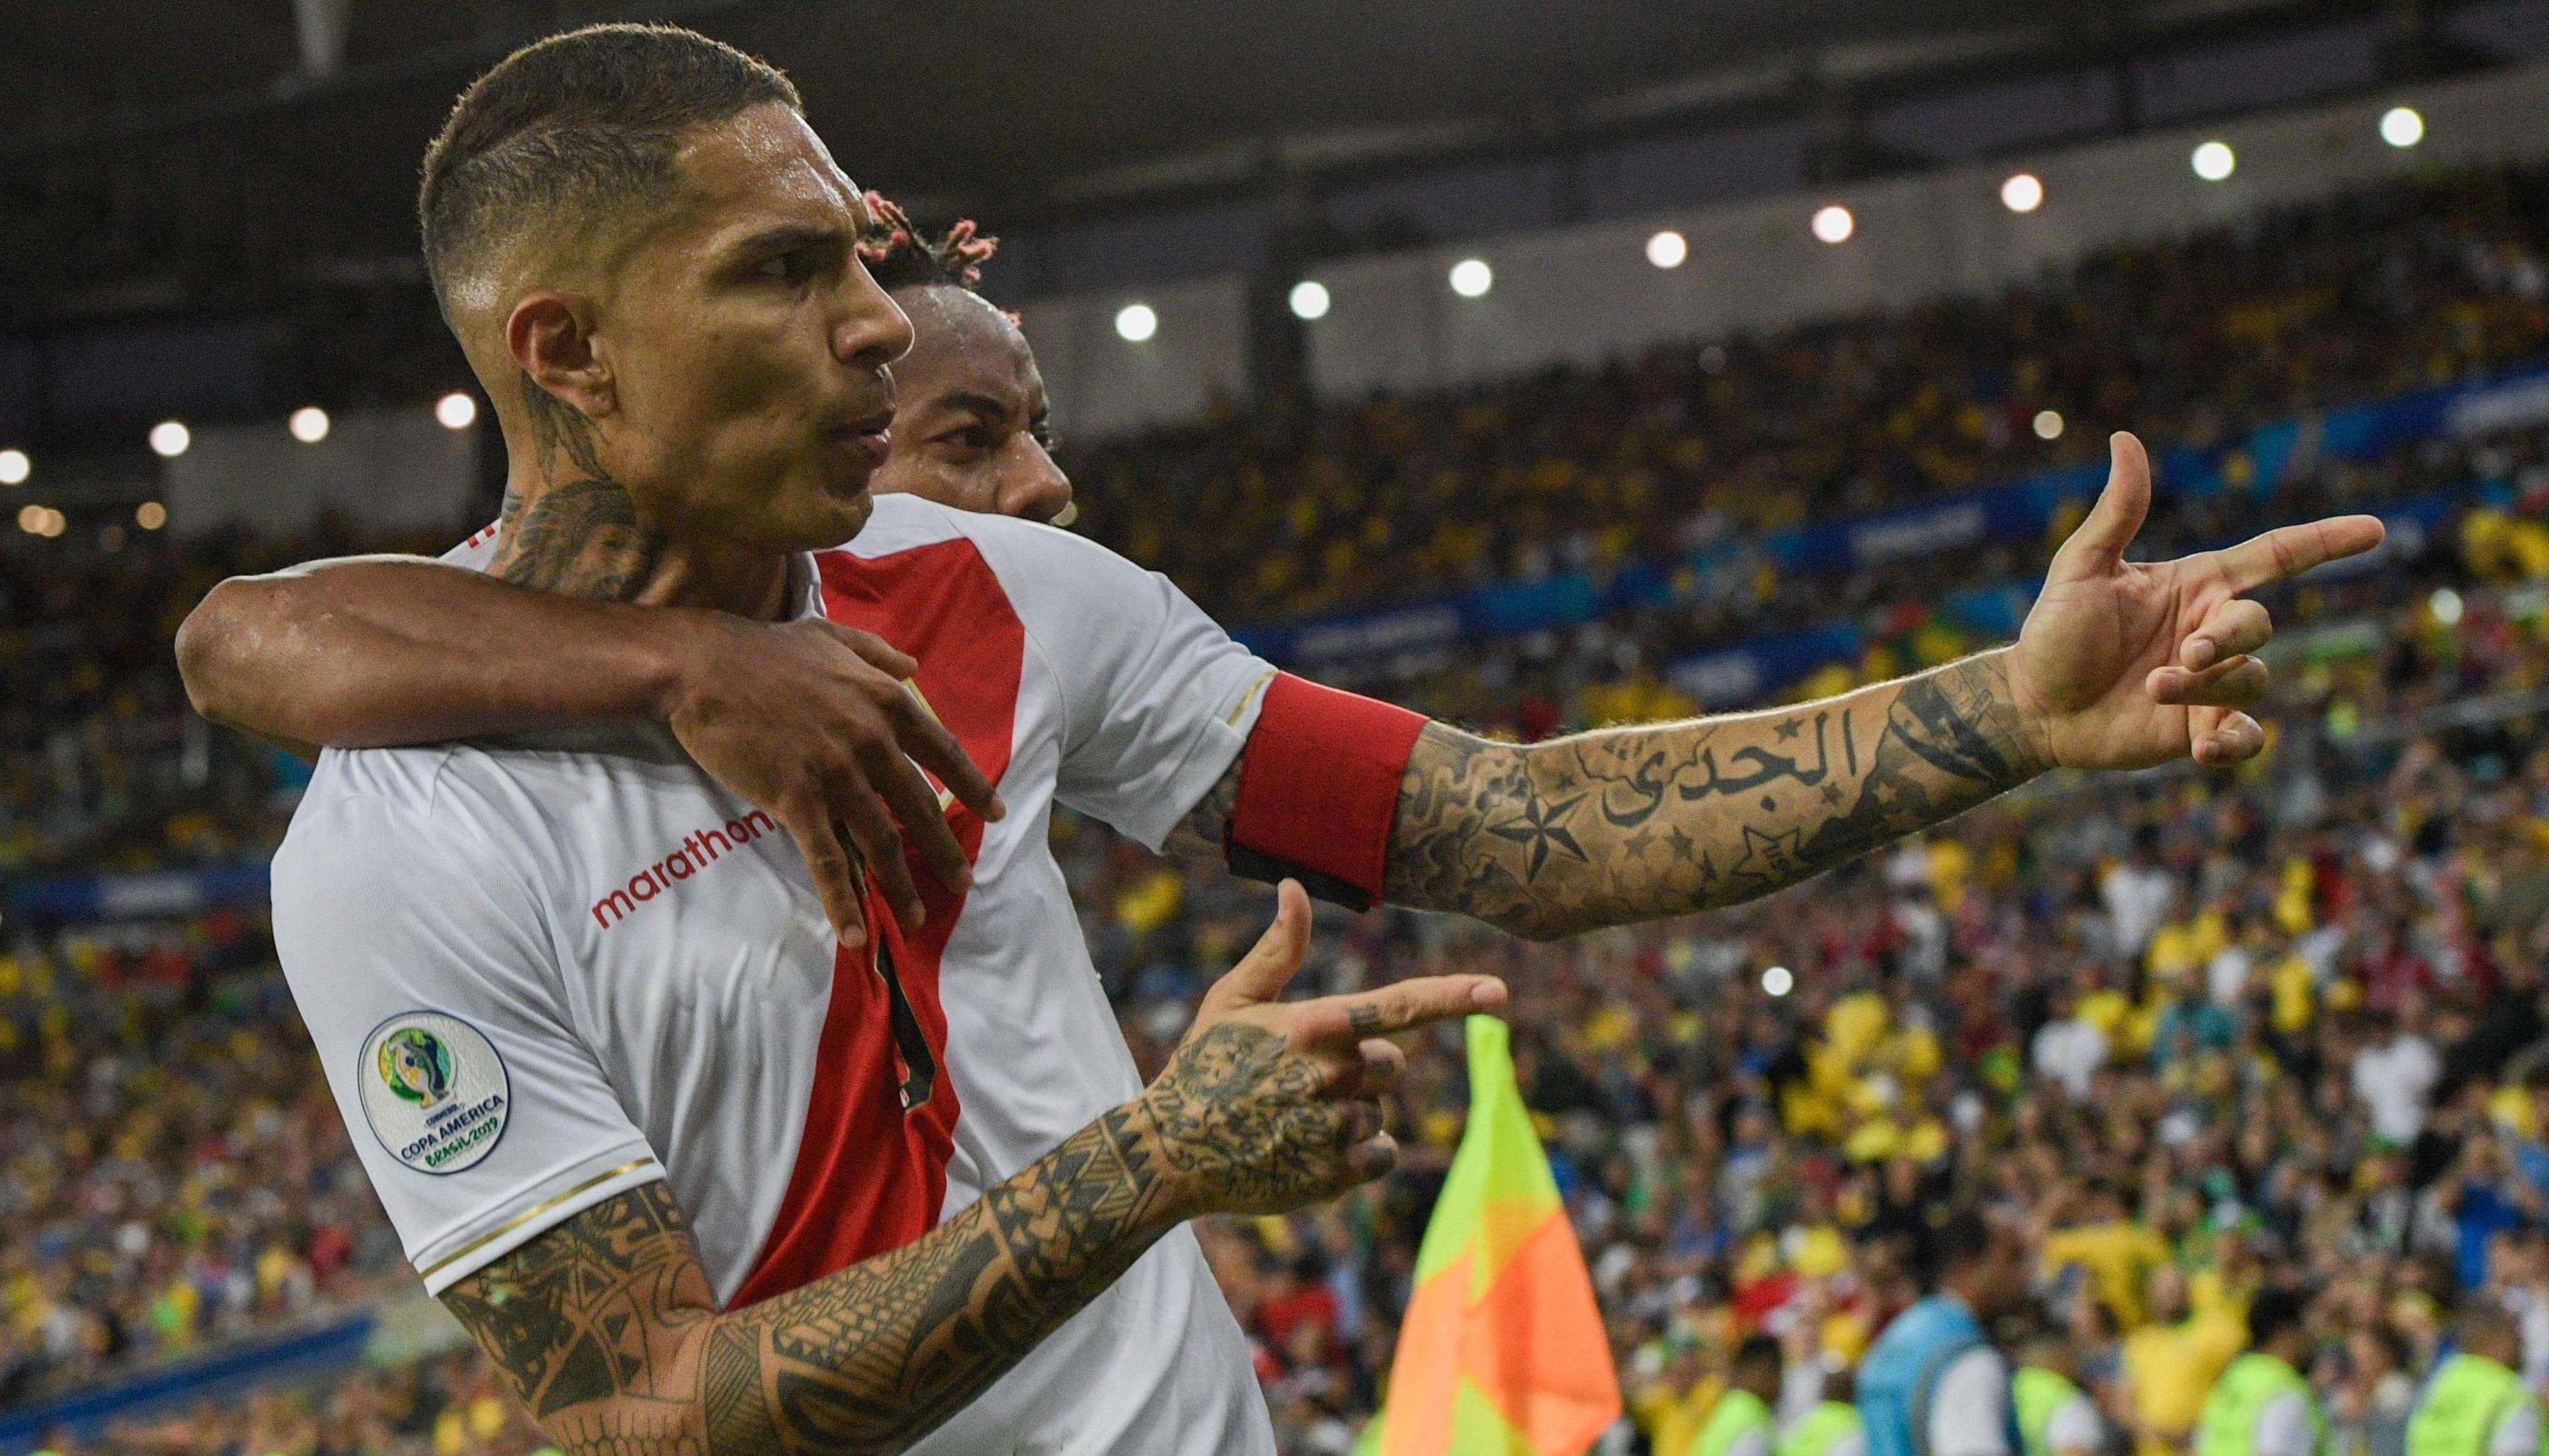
1037, 105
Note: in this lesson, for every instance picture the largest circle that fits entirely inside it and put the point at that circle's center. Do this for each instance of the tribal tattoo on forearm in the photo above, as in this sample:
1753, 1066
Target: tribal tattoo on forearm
591, 1322
606, 1326
1640, 823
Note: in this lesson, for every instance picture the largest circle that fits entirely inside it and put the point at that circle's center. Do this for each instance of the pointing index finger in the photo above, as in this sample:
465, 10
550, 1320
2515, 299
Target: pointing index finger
2288, 551
1404, 1007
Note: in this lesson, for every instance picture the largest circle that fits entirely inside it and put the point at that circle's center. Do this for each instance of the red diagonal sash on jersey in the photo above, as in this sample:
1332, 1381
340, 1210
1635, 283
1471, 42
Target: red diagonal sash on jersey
870, 1174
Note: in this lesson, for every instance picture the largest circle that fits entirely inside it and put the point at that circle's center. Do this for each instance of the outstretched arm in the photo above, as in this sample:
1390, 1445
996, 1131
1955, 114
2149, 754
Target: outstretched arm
606, 1328
2119, 665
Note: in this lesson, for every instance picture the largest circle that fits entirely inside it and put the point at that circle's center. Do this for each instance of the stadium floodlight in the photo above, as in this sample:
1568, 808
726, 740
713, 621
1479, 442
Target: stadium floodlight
15, 467
150, 516
2022, 193
170, 437
1779, 980
1667, 249
309, 424
1472, 278
2048, 425
456, 410
1136, 322
2401, 126
2215, 161
1309, 299
1833, 224
2446, 606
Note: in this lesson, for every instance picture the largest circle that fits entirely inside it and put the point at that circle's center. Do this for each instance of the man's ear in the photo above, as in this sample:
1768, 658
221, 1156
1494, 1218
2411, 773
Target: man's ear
550, 337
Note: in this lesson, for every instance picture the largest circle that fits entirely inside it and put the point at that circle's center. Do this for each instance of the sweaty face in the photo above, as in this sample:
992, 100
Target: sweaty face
970, 422
749, 347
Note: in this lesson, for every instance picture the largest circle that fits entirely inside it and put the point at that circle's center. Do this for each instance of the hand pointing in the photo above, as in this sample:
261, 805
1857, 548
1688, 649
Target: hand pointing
2123, 665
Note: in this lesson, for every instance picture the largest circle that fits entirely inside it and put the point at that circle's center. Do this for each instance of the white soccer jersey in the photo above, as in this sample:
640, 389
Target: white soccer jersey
542, 973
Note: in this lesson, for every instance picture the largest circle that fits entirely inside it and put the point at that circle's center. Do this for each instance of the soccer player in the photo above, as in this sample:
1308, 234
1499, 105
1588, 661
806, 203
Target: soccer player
686, 368
972, 427
692, 1172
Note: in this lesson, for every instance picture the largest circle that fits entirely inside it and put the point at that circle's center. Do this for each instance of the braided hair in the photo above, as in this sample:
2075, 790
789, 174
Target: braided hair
899, 257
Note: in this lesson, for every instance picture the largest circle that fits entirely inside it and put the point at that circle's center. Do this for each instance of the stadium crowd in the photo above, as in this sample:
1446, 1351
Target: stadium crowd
2198, 1031
2192, 339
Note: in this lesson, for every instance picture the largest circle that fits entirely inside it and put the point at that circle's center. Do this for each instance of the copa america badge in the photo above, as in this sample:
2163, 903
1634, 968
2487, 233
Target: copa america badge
435, 1091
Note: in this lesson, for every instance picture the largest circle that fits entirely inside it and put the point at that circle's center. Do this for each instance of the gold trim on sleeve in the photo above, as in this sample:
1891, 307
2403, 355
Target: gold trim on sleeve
1247, 698
526, 1215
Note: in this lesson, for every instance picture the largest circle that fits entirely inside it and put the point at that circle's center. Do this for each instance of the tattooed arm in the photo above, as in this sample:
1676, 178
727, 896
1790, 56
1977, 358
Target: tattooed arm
606, 1328
1639, 823
2119, 665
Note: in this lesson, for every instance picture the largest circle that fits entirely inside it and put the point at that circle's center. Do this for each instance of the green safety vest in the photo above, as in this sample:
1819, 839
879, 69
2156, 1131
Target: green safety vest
2254, 1381
2037, 1393
1821, 1429
2461, 1406
1736, 1413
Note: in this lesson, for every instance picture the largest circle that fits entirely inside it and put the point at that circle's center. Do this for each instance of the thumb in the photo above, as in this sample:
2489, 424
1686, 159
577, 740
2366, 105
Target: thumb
2117, 518
1261, 974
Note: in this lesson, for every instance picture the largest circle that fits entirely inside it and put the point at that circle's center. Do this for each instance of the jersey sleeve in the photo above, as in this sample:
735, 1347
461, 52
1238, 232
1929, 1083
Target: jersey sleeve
1156, 700
424, 976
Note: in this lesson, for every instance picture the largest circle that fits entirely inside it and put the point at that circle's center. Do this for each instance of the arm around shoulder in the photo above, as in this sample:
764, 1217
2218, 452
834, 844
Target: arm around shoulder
368, 651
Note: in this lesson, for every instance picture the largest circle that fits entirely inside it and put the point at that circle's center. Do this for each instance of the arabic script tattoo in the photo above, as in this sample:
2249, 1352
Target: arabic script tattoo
1599, 829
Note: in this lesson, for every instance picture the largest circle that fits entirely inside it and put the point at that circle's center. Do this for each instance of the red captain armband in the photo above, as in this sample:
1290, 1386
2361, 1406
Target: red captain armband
1319, 787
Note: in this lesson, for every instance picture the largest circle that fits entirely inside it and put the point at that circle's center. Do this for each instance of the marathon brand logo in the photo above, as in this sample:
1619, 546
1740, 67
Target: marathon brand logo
435, 1091
697, 850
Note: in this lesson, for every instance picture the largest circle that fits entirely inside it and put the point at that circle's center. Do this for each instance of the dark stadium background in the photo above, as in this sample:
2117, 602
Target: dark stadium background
2201, 1029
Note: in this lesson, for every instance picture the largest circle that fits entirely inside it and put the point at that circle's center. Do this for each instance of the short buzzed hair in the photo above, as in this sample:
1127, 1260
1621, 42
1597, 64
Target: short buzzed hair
572, 129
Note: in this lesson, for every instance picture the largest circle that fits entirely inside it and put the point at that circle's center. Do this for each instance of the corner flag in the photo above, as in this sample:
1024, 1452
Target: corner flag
1502, 1352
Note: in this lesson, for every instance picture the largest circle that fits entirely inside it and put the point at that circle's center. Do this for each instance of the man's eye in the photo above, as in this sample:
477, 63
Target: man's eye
784, 266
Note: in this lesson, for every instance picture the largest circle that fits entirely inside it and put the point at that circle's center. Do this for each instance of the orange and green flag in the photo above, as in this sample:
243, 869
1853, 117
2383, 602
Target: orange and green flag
1502, 1352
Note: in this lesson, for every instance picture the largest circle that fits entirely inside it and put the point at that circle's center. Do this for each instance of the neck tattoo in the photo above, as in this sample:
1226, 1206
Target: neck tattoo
580, 538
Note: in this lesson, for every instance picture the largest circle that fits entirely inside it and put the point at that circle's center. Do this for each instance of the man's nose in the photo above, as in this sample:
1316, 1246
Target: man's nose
1033, 488
871, 329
